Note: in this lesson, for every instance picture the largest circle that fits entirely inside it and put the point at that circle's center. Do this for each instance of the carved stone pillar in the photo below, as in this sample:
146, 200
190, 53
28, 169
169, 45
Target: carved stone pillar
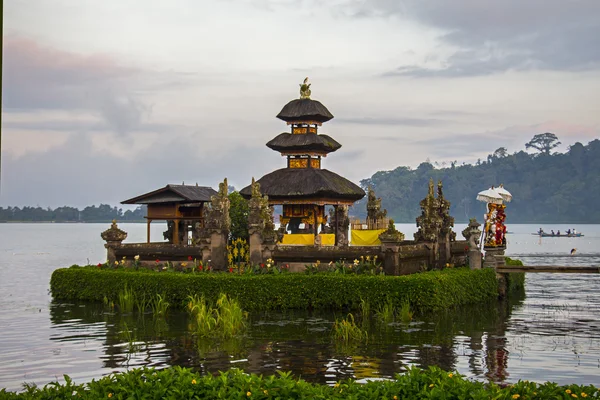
342, 222
390, 247
216, 233
113, 236
494, 256
261, 227
472, 233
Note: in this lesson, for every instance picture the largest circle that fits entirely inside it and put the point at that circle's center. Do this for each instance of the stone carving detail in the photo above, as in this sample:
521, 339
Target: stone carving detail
444, 213
260, 216
472, 233
374, 211
114, 234
429, 222
217, 216
435, 220
391, 234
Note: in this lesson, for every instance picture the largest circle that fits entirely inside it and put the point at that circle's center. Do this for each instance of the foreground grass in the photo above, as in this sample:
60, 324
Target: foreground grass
183, 383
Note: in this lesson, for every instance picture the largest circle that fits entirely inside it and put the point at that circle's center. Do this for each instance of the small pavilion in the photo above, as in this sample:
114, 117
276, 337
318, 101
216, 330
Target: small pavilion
181, 206
303, 187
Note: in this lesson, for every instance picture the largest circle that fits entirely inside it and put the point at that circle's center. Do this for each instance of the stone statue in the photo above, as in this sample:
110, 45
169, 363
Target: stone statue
305, 89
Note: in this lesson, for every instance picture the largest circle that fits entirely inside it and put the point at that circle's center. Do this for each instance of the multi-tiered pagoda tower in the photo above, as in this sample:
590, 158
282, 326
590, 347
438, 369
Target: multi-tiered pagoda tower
304, 188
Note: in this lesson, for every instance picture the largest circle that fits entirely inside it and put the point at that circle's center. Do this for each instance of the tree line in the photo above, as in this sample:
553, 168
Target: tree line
102, 213
547, 186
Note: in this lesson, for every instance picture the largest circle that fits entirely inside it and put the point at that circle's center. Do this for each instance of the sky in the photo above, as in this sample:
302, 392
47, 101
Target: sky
106, 100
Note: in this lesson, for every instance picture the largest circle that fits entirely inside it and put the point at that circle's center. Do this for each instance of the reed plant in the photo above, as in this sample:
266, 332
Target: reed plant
231, 319
386, 312
405, 312
203, 313
126, 300
159, 305
347, 330
365, 309
142, 303
225, 319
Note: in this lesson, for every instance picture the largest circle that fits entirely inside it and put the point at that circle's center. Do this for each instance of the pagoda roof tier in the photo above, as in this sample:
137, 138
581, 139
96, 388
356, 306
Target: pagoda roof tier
299, 110
175, 194
310, 142
294, 184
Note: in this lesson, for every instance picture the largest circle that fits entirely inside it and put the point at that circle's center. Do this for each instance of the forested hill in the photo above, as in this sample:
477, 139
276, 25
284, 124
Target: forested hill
546, 187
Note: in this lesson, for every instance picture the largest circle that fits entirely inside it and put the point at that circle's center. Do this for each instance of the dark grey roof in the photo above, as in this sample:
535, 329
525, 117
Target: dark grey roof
304, 110
175, 194
303, 142
305, 183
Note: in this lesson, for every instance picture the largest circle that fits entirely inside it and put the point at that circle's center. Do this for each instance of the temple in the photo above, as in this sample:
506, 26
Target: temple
314, 223
303, 187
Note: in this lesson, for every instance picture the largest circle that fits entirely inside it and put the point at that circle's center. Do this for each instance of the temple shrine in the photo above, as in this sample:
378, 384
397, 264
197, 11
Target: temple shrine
303, 187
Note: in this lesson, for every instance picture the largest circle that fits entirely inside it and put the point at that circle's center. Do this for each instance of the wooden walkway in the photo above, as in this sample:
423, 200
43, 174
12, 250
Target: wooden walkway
573, 269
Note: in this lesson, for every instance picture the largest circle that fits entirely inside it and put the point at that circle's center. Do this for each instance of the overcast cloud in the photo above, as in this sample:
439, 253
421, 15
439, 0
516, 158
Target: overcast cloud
106, 100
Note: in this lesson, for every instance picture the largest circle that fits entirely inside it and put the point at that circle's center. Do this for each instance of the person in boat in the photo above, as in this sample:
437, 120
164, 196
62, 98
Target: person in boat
541, 231
557, 233
552, 232
568, 231
574, 232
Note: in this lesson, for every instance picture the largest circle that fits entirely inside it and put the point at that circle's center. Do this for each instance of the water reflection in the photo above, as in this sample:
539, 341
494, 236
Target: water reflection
471, 340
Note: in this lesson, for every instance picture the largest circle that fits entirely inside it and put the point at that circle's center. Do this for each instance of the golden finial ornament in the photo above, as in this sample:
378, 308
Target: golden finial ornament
305, 89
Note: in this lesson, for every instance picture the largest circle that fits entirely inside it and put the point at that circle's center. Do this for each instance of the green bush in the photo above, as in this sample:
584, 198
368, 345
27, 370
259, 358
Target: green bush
425, 291
182, 383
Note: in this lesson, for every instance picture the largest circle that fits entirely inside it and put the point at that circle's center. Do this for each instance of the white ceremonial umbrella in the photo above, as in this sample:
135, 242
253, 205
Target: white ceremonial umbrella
505, 194
490, 196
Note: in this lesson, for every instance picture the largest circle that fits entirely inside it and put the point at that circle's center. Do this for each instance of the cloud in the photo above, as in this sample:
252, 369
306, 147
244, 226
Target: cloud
38, 78
393, 121
491, 37
478, 145
76, 173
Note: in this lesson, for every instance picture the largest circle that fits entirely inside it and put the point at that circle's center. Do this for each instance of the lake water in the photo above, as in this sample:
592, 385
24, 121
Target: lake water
552, 333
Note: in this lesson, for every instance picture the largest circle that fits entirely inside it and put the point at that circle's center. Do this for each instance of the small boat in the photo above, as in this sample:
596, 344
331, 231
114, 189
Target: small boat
546, 234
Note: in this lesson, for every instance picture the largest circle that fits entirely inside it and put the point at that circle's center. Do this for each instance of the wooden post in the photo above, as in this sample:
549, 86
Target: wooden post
148, 230
335, 224
176, 231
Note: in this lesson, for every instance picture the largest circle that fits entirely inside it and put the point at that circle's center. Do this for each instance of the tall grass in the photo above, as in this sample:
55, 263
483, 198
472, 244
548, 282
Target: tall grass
225, 319
126, 300
365, 309
385, 312
142, 303
159, 305
405, 312
347, 331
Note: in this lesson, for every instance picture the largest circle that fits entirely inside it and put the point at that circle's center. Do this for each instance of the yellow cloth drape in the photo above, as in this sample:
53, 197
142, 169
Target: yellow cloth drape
327, 239
308, 239
299, 238
366, 237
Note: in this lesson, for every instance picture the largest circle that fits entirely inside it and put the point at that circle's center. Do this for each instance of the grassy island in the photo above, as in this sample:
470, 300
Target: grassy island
451, 287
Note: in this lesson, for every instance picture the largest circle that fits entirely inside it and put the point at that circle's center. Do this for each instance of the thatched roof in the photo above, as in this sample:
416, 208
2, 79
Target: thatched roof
304, 110
286, 142
175, 194
306, 183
